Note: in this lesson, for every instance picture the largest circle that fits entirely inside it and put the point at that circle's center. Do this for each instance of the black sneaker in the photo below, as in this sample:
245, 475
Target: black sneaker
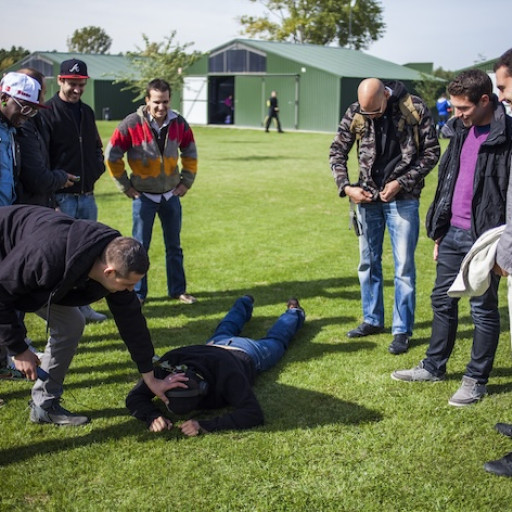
365, 329
501, 467
400, 344
56, 414
504, 428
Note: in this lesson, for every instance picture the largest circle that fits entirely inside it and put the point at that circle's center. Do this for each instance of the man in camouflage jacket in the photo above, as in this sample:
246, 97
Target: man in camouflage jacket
397, 148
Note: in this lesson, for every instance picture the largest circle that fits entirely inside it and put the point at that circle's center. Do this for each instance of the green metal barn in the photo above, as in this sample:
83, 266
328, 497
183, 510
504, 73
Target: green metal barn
314, 84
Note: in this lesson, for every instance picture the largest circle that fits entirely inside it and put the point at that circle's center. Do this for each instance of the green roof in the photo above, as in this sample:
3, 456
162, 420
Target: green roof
339, 61
486, 66
99, 67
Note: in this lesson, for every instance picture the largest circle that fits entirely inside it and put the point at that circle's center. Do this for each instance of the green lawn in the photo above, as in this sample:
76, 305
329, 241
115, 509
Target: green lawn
263, 218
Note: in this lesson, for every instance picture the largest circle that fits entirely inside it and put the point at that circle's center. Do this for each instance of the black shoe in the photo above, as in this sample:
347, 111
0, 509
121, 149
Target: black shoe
55, 414
364, 330
400, 344
502, 467
504, 428
250, 297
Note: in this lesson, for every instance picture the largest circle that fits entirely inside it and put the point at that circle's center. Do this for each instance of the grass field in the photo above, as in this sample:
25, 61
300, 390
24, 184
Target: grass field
263, 218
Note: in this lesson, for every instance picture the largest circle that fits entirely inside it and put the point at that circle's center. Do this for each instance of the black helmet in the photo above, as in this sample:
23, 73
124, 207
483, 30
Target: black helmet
185, 400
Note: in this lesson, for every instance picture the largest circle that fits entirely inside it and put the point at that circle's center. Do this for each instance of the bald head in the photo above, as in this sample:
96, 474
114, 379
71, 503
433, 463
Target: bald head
372, 95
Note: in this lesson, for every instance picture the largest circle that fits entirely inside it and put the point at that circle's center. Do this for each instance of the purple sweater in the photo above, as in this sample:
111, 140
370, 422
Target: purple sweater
463, 193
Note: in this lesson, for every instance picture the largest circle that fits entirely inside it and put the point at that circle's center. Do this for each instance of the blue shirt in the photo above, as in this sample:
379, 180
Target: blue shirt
7, 194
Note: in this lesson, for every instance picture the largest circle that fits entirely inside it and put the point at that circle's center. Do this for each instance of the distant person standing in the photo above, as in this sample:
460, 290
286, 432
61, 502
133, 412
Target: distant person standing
228, 110
75, 146
444, 111
273, 112
155, 138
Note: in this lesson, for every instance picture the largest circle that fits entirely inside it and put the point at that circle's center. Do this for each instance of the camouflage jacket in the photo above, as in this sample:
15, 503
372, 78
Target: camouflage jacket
414, 164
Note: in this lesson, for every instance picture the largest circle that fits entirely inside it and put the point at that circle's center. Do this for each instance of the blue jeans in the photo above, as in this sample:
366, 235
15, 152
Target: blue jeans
484, 311
144, 212
79, 207
265, 352
402, 220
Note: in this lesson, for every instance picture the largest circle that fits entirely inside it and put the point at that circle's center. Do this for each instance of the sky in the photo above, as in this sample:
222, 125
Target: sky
451, 34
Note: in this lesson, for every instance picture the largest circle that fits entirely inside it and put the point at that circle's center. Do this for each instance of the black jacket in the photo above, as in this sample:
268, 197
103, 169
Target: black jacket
76, 149
229, 374
491, 178
36, 181
45, 257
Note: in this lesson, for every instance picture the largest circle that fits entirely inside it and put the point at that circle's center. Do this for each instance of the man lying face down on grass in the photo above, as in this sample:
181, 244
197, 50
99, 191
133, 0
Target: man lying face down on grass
218, 374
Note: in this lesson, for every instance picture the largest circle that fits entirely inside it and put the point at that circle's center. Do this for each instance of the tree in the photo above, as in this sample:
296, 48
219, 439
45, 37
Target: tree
167, 60
429, 90
10, 57
352, 23
89, 40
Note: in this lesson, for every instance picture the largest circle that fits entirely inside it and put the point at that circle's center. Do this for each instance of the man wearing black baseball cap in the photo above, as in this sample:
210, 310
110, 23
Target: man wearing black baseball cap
75, 146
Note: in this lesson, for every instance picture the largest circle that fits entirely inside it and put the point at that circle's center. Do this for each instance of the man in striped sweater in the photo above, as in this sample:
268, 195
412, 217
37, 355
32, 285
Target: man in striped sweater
154, 138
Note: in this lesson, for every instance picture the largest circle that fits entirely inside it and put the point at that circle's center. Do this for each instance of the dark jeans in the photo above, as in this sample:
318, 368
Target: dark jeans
273, 115
264, 352
484, 311
169, 211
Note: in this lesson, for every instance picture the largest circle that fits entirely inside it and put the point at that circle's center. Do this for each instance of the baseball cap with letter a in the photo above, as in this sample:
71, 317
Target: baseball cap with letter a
73, 68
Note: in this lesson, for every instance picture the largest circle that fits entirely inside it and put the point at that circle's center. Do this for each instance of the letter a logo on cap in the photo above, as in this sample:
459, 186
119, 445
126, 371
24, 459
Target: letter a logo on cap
75, 68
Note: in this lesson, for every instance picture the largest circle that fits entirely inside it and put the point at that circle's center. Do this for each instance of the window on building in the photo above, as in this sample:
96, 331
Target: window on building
42, 65
237, 59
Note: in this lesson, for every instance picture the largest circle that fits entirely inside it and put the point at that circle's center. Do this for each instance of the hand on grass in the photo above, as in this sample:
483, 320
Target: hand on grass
160, 424
191, 428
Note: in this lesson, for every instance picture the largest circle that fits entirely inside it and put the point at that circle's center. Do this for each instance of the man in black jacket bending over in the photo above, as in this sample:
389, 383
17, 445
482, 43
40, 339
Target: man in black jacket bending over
218, 374
50, 264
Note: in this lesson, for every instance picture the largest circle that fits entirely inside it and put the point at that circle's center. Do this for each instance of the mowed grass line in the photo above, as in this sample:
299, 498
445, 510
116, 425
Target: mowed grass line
263, 218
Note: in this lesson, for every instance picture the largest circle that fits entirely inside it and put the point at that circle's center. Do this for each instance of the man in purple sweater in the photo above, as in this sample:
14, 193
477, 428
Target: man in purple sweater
470, 199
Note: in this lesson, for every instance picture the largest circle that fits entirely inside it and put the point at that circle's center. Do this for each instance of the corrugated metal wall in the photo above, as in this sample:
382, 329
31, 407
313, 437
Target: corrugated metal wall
110, 96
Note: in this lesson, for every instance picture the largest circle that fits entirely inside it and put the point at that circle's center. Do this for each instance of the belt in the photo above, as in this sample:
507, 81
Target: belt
81, 194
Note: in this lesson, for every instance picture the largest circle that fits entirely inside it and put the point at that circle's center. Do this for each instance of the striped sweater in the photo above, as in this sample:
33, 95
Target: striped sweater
152, 171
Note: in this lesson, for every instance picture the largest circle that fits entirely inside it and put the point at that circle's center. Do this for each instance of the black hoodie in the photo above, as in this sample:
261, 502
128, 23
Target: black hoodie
229, 374
45, 257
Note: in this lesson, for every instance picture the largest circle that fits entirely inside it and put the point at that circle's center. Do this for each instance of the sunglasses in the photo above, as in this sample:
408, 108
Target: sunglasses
375, 112
25, 110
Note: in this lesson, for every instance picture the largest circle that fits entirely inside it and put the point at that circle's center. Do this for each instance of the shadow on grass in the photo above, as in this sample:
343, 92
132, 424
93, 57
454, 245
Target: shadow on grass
264, 294
286, 407
47, 447
289, 408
